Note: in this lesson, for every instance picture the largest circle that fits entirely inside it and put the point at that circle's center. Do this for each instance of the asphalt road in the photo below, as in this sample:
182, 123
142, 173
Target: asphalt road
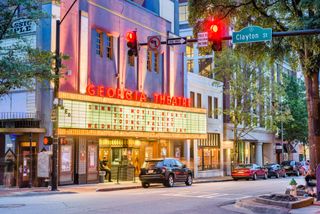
199, 198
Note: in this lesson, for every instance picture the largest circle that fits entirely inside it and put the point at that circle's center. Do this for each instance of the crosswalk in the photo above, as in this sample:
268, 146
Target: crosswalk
193, 194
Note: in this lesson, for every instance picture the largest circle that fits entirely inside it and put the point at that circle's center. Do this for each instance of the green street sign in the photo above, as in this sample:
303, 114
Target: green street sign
252, 34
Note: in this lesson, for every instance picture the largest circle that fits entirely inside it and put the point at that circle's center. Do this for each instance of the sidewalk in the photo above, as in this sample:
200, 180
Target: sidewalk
99, 187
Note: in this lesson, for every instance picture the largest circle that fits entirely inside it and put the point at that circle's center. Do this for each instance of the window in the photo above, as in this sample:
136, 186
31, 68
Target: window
99, 43
183, 13
109, 44
198, 100
190, 65
131, 60
189, 48
215, 108
205, 67
192, 98
209, 106
156, 62
149, 60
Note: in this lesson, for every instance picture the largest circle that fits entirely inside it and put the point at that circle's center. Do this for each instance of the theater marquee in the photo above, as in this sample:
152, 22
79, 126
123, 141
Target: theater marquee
105, 114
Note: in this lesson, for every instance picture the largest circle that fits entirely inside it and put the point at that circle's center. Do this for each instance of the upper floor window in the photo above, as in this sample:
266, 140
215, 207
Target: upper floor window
192, 98
99, 43
215, 106
156, 62
189, 49
131, 60
109, 46
183, 13
149, 60
205, 67
209, 106
199, 101
190, 66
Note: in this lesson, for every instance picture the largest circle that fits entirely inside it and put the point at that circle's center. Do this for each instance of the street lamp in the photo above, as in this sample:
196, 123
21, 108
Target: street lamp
54, 179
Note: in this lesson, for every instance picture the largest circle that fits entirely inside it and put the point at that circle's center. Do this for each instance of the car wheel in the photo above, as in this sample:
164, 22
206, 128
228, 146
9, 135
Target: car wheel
277, 175
265, 176
189, 180
235, 179
254, 177
145, 185
170, 181
284, 175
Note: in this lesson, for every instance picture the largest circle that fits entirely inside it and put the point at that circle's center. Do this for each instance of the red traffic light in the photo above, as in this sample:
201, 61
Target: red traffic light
47, 140
131, 36
215, 27
132, 43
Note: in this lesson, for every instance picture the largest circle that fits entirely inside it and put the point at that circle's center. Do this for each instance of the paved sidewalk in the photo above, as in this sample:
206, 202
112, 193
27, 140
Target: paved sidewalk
108, 186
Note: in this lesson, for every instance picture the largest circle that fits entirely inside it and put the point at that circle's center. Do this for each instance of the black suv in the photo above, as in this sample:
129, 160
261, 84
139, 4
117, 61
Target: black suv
291, 167
166, 171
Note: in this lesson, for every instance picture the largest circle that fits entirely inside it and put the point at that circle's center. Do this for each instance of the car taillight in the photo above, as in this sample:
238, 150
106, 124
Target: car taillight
163, 170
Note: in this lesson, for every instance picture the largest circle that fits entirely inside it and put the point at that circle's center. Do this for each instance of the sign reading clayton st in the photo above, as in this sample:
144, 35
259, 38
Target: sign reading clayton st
252, 34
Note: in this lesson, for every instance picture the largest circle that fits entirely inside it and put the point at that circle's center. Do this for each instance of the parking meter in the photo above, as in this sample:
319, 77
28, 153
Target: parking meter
318, 182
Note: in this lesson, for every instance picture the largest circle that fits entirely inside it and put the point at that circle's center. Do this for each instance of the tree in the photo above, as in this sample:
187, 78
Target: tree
20, 64
281, 16
248, 88
296, 129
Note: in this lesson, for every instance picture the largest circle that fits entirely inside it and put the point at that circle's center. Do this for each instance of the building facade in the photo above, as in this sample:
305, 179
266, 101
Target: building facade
204, 92
257, 146
25, 112
123, 108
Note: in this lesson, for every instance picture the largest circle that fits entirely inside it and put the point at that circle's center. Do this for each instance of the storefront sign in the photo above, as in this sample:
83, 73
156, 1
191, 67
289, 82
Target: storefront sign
43, 164
126, 94
88, 115
22, 26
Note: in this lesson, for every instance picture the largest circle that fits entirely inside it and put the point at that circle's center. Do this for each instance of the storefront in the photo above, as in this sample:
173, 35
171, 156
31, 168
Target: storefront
124, 129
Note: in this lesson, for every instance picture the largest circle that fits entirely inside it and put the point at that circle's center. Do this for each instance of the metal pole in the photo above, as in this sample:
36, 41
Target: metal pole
282, 151
30, 166
54, 179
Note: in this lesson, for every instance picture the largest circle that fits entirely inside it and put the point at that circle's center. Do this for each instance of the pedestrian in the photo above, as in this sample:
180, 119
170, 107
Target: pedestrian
311, 183
104, 167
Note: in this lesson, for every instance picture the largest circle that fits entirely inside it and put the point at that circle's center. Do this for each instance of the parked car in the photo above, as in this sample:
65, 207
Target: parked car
166, 171
275, 170
293, 168
249, 171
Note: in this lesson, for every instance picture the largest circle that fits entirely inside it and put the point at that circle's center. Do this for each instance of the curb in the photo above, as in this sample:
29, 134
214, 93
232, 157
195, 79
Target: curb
251, 205
211, 181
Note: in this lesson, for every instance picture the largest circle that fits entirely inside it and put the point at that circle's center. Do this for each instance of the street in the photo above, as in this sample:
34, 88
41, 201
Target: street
199, 198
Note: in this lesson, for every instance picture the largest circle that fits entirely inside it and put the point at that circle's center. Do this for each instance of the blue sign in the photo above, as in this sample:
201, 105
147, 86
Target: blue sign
252, 34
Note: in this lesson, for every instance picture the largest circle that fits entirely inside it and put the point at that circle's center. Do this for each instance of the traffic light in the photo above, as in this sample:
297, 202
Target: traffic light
216, 30
47, 140
132, 43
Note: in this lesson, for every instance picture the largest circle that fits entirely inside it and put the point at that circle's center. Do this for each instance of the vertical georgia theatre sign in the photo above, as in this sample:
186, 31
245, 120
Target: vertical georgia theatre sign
115, 117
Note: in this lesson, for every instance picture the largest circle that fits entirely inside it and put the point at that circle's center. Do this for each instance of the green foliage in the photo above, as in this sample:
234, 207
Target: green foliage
294, 99
278, 15
292, 182
20, 64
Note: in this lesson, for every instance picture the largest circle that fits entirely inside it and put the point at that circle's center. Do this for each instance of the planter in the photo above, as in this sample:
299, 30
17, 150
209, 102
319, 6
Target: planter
291, 203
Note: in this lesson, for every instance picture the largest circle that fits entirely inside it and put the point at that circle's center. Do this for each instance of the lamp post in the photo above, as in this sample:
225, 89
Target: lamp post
54, 178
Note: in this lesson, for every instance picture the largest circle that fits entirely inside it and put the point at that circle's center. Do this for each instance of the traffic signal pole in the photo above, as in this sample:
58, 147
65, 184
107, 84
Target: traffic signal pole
54, 175
274, 34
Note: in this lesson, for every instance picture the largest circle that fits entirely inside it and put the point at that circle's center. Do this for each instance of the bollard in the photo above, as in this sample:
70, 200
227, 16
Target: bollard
118, 174
318, 182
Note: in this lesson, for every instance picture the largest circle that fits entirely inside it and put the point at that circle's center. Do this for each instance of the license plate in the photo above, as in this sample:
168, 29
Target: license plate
150, 171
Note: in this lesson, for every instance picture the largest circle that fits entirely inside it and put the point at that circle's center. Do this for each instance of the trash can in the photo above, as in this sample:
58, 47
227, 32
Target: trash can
102, 174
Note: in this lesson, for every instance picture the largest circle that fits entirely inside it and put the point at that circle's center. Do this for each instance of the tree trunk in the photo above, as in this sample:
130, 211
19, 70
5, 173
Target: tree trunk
313, 107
